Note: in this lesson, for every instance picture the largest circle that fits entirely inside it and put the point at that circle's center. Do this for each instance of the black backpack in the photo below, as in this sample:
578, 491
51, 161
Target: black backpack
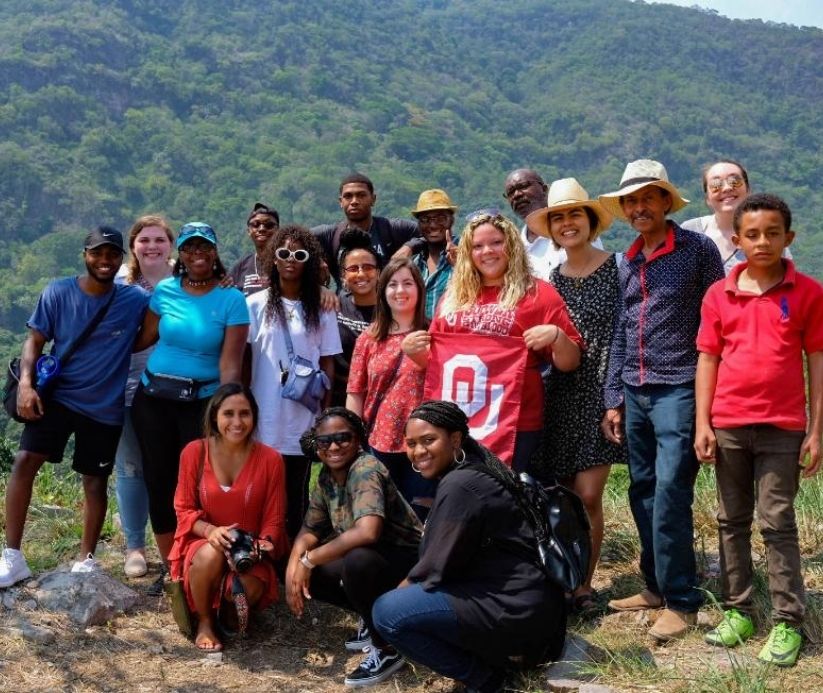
562, 532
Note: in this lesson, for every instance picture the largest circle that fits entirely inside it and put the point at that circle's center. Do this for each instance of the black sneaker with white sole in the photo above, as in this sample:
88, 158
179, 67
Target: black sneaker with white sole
361, 640
378, 665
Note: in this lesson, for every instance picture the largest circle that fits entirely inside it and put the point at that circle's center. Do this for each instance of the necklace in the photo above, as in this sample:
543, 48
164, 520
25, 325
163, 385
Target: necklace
581, 274
197, 283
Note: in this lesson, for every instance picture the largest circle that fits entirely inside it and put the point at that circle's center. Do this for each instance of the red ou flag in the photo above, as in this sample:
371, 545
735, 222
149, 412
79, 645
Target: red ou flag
483, 375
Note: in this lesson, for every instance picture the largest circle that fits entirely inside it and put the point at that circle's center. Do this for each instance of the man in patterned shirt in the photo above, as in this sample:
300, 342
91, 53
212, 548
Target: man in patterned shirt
651, 375
435, 216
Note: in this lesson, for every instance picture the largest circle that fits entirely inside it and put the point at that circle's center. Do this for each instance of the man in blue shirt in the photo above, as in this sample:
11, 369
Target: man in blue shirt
87, 398
651, 375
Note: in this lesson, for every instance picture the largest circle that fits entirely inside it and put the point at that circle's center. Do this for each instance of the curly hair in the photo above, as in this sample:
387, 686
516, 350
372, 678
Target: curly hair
143, 222
383, 318
308, 441
356, 239
309, 280
466, 282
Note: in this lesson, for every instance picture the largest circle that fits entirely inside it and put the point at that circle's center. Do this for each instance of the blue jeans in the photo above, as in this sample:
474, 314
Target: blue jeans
132, 498
663, 468
423, 627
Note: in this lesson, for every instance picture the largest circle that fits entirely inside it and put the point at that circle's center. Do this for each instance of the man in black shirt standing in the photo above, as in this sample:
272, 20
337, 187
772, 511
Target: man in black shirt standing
389, 236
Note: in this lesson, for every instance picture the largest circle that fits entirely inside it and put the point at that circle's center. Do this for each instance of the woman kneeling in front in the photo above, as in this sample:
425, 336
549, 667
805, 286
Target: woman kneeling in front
474, 600
359, 537
228, 482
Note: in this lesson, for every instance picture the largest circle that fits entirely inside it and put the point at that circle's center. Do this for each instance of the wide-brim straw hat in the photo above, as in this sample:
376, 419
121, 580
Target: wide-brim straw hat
639, 174
433, 200
567, 193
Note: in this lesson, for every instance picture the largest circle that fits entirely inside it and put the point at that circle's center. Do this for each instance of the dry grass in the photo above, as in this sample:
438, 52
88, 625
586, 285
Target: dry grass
143, 651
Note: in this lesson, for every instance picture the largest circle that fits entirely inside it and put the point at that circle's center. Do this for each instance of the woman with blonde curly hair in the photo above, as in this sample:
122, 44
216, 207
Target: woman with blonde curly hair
493, 294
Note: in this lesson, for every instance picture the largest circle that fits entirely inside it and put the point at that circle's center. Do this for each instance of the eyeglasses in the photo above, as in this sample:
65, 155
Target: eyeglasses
265, 225
434, 218
194, 247
343, 439
365, 268
733, 181
488, 212
509, 192
298, 255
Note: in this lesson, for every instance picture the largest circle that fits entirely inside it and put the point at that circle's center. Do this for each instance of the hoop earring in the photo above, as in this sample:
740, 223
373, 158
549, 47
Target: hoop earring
462, 459
416, 469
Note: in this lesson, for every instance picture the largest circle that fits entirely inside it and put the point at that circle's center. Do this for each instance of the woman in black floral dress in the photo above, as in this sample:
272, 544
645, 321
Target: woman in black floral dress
573, 449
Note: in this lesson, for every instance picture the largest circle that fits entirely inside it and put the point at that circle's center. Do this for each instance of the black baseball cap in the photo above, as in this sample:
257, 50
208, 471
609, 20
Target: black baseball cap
105, 235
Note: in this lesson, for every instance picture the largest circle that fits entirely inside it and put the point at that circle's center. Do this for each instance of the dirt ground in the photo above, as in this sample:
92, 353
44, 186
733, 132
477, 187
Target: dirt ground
143, 651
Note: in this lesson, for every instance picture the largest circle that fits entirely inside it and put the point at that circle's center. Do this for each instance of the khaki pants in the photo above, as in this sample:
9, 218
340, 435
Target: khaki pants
758, 466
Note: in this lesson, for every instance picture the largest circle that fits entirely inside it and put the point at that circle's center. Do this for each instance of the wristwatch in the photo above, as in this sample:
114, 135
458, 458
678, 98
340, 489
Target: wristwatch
304, 559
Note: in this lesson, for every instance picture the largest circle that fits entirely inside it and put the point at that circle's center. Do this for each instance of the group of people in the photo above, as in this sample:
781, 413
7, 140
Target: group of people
212, 392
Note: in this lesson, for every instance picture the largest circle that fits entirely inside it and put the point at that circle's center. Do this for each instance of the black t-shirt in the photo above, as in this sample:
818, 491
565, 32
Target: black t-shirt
352, 320
504, 604
246, 274
387, 237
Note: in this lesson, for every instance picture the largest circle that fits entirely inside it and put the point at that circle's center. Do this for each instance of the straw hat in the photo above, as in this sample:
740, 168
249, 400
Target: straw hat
433, 200
567, 193
639, 174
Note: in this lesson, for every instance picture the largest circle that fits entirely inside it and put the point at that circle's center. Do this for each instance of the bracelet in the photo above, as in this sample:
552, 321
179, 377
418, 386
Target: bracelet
304, 559
556, 335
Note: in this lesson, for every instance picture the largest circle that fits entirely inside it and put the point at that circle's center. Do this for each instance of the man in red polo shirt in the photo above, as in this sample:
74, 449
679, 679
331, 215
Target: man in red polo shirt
751, 418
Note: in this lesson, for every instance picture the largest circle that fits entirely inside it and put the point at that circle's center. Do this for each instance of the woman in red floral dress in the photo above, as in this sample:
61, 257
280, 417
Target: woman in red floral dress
385, 385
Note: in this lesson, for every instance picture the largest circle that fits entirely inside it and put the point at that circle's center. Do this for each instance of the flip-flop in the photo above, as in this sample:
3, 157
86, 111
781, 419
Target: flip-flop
217, 645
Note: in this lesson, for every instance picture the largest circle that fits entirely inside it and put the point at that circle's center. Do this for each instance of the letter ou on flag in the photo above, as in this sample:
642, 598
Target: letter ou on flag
483, 375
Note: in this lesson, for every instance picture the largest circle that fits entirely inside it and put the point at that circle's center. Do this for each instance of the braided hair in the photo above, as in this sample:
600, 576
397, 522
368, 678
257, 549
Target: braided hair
449, 417
308, 441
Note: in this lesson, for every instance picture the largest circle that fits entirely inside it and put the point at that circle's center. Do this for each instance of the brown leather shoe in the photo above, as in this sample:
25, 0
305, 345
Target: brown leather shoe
637, 602
672, 624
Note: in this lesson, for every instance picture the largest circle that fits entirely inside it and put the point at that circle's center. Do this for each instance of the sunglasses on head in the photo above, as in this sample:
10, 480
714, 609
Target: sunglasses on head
733, 181
488, 212
342, 439
267, 225
285, 254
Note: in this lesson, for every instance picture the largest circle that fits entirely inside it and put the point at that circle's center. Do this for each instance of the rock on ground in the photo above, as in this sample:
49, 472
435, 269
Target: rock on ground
88, 598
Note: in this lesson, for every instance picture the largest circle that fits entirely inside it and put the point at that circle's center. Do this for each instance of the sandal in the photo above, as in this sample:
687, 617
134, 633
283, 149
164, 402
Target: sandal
586, 602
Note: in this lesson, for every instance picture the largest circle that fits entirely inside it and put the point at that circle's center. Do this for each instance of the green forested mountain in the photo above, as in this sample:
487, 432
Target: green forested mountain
198, 108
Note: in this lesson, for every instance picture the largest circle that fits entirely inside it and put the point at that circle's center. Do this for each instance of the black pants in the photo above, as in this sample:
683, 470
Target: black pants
163, 429
298, 473
355, 581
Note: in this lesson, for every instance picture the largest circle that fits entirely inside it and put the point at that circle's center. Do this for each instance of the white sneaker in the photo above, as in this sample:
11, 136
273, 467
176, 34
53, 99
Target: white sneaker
87, 565
13, 567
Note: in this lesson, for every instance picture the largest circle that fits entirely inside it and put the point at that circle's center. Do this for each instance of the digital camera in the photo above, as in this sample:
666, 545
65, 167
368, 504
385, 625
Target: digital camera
242, 550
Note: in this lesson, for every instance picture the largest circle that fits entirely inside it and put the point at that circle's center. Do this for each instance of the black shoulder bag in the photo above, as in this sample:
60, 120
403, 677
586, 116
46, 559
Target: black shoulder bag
13, 372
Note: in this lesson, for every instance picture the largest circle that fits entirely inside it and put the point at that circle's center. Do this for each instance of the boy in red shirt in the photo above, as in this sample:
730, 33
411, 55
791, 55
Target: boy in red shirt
751, 418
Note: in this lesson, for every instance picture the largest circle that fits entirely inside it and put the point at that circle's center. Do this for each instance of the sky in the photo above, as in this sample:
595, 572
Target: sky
799, 12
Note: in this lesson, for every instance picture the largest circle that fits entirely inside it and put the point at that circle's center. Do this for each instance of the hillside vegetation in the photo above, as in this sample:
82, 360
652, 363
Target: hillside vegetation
198, 108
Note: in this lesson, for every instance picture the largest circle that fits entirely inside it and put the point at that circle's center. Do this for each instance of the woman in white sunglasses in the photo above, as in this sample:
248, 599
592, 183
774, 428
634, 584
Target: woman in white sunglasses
286, 322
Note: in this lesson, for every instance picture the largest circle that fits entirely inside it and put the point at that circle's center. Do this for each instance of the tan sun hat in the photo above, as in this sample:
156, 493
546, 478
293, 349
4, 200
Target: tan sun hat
639, 174
433, 200
567, 193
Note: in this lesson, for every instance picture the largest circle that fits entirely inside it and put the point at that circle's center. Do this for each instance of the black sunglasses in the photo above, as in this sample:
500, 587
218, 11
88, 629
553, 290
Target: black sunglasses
342, 439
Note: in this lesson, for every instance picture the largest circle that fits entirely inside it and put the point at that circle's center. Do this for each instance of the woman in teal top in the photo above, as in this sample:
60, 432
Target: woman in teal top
200, 329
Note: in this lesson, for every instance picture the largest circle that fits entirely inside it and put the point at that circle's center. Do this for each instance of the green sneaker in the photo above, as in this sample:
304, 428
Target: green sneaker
732, 630
782, 647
